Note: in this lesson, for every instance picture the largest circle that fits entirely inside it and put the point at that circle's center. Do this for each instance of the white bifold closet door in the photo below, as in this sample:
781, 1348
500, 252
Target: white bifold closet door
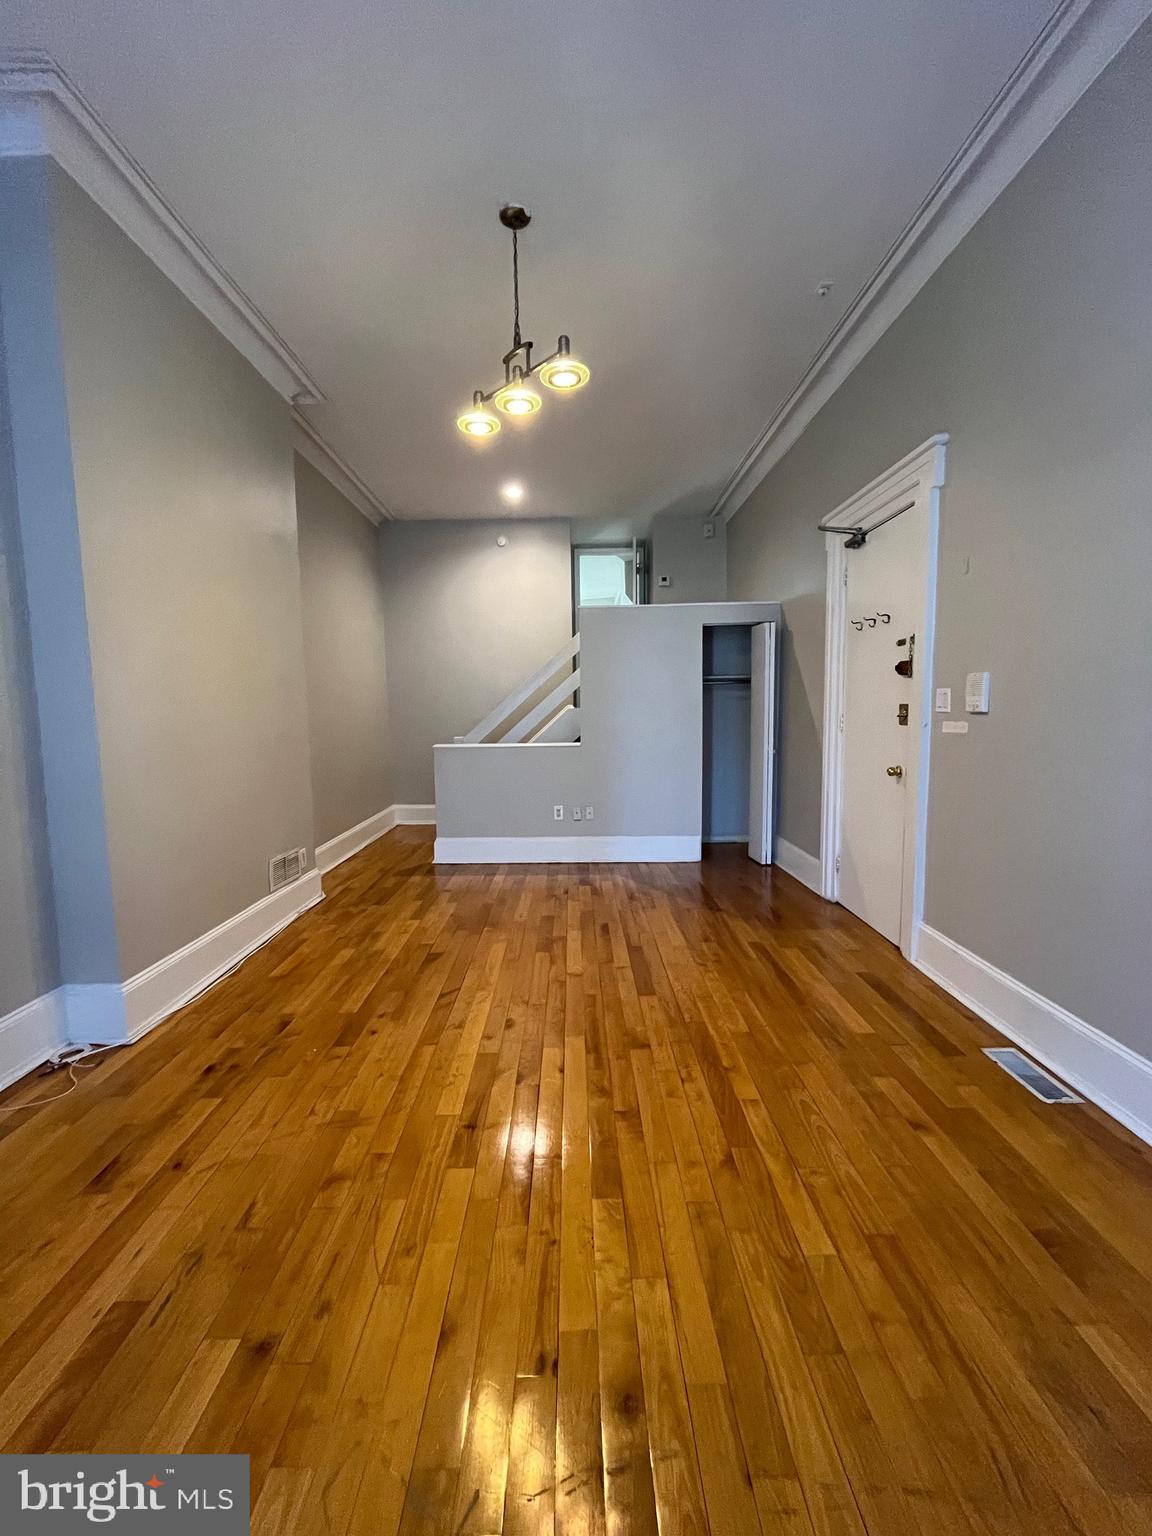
762, 764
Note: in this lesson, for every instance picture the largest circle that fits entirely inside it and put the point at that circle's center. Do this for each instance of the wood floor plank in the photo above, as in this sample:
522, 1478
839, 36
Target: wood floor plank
599, 1199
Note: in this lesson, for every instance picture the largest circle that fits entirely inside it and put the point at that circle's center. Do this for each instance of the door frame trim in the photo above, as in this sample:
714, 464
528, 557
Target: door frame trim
919, 476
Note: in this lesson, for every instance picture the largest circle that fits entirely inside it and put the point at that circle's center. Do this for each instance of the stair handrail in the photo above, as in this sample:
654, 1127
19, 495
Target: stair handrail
519, 696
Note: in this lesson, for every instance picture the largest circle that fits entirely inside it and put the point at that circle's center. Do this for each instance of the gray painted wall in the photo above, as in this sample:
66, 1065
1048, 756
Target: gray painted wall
466, 621
29, 965
49, 621
696, 565
1032, 346
184, 487
343, 602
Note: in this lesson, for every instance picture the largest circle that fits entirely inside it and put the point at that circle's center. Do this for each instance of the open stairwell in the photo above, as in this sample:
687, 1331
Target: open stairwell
553, 718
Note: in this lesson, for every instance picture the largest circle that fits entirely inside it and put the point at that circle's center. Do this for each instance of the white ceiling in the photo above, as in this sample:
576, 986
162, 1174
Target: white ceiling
694, 167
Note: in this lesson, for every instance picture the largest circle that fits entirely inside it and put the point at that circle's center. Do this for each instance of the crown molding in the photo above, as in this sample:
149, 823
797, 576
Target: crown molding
308, 443
43, 113
1080, 39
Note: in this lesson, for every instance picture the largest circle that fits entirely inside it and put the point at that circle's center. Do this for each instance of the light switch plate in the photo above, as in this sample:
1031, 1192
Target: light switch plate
954, 727
943, 700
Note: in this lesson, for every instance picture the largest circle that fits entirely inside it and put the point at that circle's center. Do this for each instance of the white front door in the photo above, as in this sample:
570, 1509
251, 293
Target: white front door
883, 597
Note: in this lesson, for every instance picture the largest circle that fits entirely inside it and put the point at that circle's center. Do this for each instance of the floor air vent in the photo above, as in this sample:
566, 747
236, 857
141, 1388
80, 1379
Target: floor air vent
286, 867
1034, 1078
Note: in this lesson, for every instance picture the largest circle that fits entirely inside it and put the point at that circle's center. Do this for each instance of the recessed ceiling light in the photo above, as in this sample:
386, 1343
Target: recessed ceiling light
512, 491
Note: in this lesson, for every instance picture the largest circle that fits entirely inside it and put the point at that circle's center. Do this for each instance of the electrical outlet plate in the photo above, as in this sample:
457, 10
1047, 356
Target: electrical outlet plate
577, 813
587, 813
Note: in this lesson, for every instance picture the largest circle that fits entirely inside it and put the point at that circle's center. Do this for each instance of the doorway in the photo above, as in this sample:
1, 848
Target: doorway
739, 736
881, 550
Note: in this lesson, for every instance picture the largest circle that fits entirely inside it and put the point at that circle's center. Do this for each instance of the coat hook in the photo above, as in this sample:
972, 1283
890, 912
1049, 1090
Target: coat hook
885, 618
871, 623
857, 623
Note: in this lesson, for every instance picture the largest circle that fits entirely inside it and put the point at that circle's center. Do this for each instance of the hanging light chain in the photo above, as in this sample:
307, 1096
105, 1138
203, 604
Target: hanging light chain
515, 290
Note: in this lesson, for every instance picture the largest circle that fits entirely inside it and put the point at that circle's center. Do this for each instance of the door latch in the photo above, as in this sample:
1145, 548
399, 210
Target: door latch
904, 666
902, 714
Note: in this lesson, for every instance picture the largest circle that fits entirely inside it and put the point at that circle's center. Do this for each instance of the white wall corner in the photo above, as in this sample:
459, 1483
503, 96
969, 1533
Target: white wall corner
567, 850
415, 815
30, 1034
309, 444
43, 113
794, 861
1112, 1075
1078, 42
342, 847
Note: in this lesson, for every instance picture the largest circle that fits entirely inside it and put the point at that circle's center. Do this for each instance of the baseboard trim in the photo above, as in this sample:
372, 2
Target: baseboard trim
415, 815
106, 1013
567, 850
796, 862
30, 1034
1113, 1076
151, 995
337, 849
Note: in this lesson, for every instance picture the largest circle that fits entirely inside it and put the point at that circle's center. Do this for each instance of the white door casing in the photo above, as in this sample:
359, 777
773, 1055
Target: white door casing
874, 826
762, 759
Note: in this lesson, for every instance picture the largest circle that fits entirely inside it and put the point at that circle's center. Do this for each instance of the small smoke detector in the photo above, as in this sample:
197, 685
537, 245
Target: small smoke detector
823, 290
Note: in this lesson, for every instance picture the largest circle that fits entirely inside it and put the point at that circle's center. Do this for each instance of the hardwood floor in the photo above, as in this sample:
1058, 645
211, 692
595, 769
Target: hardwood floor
598, 1199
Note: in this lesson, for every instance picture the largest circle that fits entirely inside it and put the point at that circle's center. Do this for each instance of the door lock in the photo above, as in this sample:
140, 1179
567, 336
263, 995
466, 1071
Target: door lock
904, 668
902, 714
896, 772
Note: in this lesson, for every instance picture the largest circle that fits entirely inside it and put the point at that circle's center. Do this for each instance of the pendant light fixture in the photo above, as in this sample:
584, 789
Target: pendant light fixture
515, 397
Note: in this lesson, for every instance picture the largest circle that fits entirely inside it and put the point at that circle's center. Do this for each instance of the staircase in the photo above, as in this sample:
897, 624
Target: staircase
614, 723
554, 718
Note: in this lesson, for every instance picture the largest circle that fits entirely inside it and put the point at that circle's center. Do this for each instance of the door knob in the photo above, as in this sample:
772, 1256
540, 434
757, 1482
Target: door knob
896, 772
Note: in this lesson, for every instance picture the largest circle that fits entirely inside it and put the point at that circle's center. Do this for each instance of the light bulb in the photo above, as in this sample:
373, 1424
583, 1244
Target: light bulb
478, 423
516, 399
564, 373
512, 491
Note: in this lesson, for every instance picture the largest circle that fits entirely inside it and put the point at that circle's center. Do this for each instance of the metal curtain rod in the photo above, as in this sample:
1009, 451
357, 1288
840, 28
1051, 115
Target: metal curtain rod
857, 536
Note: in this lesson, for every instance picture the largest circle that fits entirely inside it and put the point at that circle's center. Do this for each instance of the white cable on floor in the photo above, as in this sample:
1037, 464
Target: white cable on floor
71, 1063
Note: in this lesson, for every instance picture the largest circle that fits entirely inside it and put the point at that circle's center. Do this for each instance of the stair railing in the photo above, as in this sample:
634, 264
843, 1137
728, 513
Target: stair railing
495, 724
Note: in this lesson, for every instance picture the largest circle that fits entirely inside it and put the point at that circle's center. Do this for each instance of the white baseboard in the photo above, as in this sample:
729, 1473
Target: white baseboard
95, 1013
1110, 1074
109, 1014
337, 849
29, 1035
153, 994
567, 850
415, 815
802, 866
